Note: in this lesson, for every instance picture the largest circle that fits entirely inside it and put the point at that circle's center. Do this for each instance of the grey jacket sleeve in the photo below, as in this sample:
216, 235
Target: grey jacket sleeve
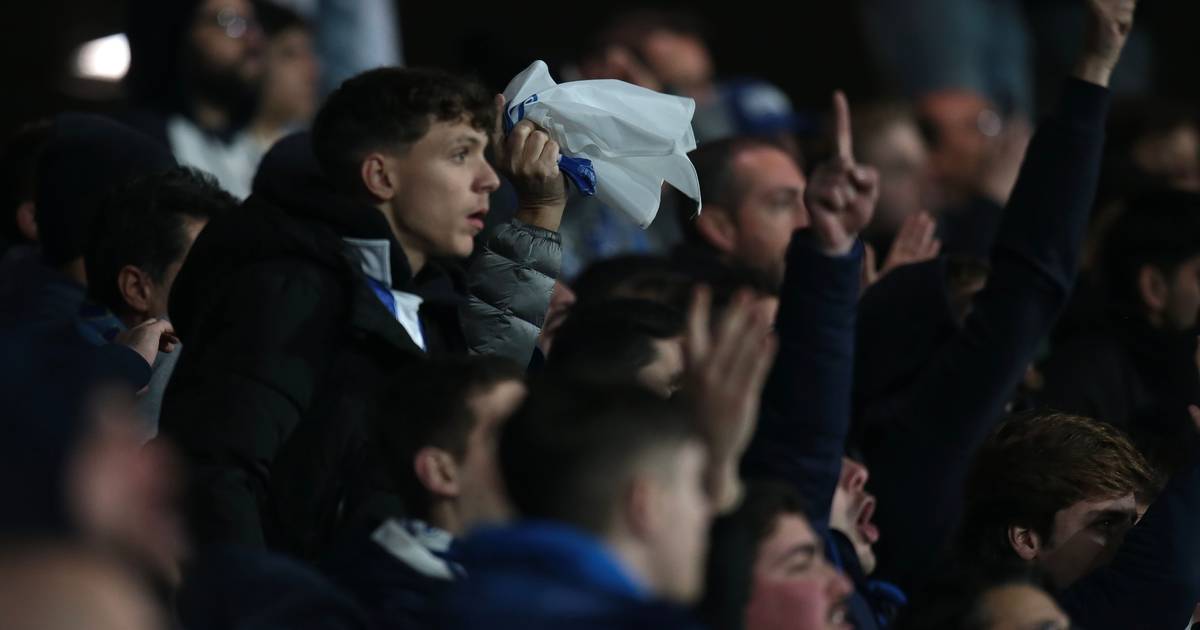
510, 281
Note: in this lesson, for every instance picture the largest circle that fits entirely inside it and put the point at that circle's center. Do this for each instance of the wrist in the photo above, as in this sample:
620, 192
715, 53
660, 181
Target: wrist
1096, 70
547, 216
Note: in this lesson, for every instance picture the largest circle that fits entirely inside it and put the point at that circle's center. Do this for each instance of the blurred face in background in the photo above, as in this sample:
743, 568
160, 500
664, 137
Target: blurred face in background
681, 62
225, 52
900, 154
1173, 156
1021, 607
289, 95
124, 494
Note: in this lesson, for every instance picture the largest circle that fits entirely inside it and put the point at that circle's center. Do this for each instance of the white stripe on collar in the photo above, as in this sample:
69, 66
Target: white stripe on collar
416, 548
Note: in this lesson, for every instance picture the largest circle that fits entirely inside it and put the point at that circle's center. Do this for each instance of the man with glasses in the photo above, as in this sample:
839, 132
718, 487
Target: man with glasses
195, 74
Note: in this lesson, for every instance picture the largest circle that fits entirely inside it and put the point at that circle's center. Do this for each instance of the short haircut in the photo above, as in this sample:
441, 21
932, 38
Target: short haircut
18, 162
427, 405
1159, 228
734, 541
719, 184
275, 18
1036, 464
569, 451
142, 223
389, 109
608, 342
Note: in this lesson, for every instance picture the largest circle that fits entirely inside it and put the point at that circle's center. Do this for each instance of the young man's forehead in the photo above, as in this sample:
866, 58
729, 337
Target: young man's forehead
459, 130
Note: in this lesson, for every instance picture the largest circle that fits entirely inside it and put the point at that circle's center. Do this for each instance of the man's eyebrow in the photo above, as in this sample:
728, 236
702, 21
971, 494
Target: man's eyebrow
804, 549
467, 139
1116, 513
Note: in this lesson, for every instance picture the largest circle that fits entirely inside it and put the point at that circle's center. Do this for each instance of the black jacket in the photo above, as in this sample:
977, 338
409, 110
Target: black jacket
286, 345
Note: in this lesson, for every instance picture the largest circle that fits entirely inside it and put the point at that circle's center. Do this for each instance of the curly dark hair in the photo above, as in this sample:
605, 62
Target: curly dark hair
390, 109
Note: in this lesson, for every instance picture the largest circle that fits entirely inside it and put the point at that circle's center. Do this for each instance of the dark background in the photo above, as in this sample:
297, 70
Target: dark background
807, 47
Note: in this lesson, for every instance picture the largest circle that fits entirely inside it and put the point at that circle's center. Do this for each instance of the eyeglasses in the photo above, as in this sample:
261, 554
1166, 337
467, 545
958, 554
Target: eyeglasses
232, 23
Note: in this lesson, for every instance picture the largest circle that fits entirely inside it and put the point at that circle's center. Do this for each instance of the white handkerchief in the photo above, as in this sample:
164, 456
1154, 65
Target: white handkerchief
635, 138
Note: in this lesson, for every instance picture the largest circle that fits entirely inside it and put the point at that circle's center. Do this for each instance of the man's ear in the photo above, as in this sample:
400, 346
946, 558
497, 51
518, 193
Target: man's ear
1152, 288
378, 175
27, 221
1025, 542
136, 288
437, 471
717, 227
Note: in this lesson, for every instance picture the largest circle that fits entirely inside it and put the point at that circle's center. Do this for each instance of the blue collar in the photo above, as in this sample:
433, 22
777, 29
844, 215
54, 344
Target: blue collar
553, 549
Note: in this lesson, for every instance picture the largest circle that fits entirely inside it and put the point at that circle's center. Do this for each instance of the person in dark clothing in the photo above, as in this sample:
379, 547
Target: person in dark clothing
627, 341
296, 308
86, 157
608, 483
928, 391
196, 70
767, 568
805, 418
438, 461
1063, 492
138, 242
1137, 370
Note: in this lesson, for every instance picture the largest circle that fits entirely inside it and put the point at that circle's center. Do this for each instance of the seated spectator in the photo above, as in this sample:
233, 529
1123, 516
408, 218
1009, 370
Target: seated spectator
768, 570
622, 341
977, 599
437, 481
609, 486
86, 157
1136, 369
195, 76
296, 308
291, 78
138, 243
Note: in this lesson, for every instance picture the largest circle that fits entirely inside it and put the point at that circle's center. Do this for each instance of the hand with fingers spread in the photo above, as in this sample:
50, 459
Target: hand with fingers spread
529, 159
727, 368
916, 242
841, 194
1108, 26
149, 338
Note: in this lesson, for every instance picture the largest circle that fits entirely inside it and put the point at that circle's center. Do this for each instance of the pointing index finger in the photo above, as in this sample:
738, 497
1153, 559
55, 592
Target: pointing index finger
841, 113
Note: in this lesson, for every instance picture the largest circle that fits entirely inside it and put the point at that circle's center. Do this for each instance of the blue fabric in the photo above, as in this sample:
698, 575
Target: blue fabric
538, 575
384, 293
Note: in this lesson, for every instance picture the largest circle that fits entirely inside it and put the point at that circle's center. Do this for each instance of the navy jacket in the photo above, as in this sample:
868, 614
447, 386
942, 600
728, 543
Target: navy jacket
805, 416
543, 576
923, 421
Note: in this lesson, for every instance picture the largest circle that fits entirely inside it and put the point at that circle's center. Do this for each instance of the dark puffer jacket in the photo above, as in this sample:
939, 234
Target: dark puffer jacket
287, 345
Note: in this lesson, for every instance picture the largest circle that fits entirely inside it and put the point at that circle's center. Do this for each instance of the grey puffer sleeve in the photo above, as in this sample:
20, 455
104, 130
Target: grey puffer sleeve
510, 281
